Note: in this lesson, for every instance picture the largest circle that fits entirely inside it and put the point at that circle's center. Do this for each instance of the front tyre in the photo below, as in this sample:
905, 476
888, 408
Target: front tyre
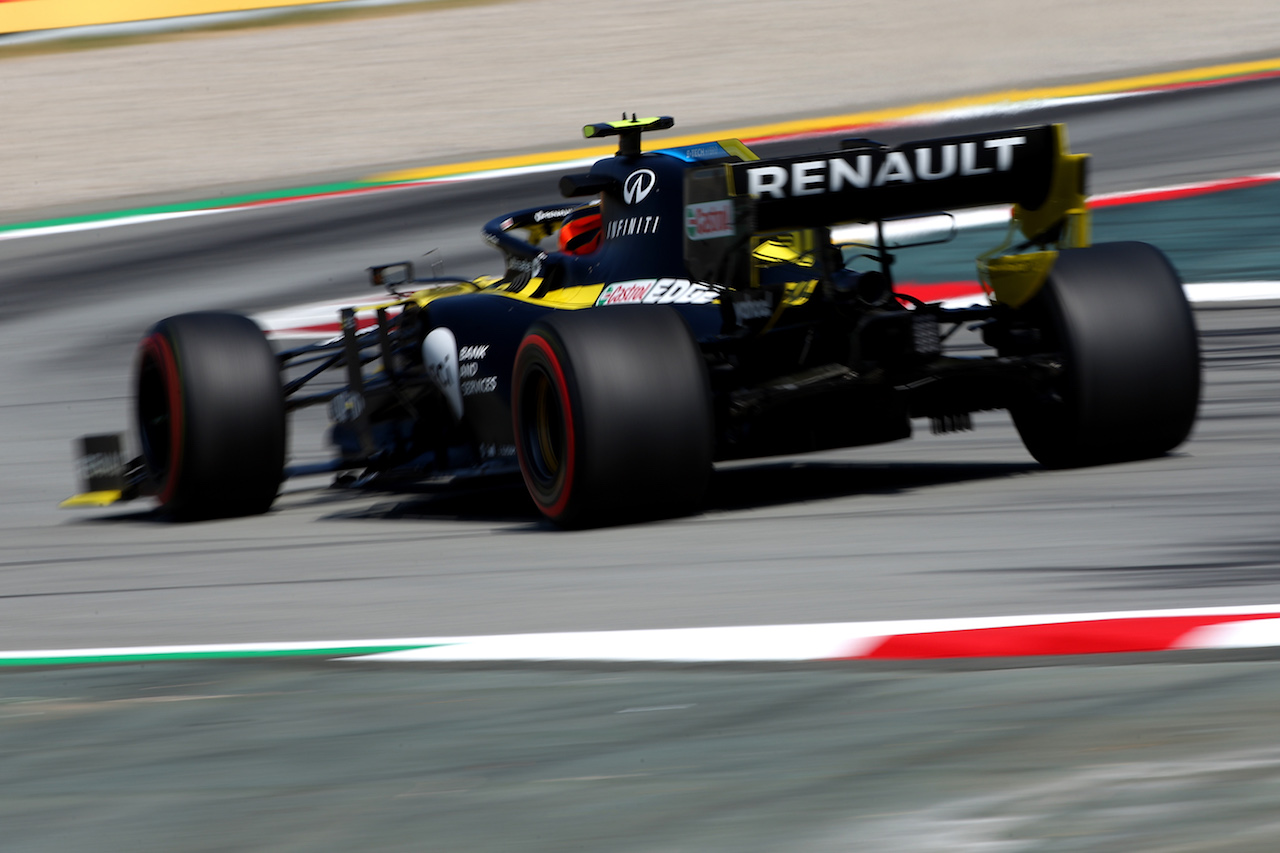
1129, 386
612, 416
211, 416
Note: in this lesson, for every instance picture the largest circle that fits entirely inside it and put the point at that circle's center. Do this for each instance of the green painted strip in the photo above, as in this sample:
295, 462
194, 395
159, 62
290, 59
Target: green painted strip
189, 206
223, 654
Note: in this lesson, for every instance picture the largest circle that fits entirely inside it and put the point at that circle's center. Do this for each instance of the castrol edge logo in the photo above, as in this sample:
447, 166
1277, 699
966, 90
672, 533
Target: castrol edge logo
638, 185
866, 169
657, 291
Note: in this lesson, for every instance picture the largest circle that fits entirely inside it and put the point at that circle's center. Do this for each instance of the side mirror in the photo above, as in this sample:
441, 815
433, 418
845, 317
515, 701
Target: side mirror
576, 186
391, 276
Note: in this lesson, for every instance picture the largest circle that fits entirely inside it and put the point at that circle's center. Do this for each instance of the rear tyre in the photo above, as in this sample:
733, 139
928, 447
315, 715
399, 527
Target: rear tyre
211, 416
612, 416
1130, 385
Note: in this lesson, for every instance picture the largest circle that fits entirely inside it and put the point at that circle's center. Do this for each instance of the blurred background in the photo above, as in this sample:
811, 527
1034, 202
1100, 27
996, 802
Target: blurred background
119, 124
344, 89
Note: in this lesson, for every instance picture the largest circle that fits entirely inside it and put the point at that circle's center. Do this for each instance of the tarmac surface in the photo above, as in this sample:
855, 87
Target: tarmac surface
342, 756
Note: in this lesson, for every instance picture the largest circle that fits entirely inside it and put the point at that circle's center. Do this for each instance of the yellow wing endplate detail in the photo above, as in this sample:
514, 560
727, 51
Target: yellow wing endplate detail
628, 131
1066, 202
617, 128
1061, 222
1013, 279
105, 498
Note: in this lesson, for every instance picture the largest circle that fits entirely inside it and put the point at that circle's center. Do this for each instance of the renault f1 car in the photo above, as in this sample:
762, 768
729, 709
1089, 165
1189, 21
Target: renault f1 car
698, 312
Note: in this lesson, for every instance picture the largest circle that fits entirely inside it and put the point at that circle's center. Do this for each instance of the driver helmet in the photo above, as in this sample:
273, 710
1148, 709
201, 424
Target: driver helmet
580, 231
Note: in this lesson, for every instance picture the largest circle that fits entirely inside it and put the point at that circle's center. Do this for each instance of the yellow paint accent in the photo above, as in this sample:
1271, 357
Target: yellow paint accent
490, 165
1066, 199
18, 16
1013, 279
735, 147
781, 250
593, 130
795, 248
848, 120
799, 292
422, 297
106, 498
565, 298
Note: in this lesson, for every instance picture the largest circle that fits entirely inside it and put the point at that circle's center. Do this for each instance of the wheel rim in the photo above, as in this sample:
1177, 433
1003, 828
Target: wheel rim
159, 412
543, 436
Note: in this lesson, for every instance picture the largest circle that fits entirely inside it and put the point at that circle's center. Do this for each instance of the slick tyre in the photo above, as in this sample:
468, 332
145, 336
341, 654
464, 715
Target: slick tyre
211, 416
612, 416
1130, 381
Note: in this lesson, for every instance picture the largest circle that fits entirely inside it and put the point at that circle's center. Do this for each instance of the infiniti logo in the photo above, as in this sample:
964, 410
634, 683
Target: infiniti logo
638, 186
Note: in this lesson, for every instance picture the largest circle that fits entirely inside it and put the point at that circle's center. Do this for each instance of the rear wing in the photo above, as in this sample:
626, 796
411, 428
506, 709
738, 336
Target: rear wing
1029, 168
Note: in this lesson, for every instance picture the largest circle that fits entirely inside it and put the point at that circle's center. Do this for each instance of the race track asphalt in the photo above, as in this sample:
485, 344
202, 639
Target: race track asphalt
314, 756
305, 757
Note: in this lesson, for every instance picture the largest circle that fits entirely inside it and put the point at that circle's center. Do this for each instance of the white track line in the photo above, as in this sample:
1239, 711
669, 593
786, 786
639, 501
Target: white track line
1250, 626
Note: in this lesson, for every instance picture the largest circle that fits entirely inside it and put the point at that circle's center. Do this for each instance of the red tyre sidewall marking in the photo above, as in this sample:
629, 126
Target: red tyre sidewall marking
158, 347
562, 390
